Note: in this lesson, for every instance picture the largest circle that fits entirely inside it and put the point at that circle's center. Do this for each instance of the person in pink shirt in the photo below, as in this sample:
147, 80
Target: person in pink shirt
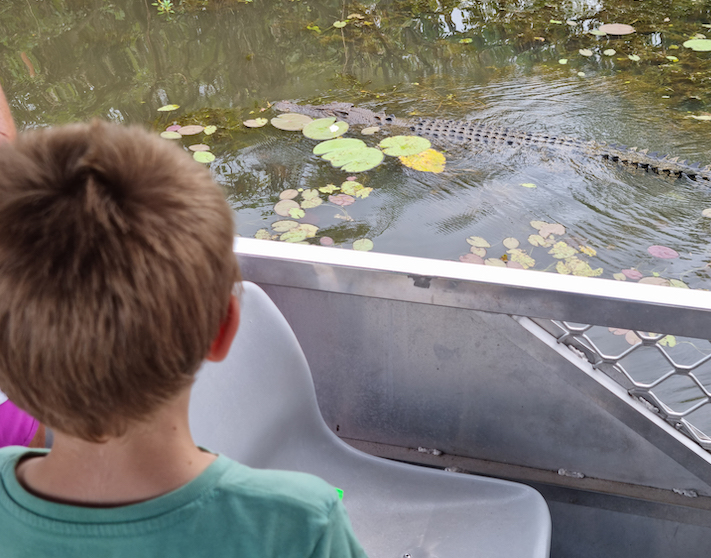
17, 428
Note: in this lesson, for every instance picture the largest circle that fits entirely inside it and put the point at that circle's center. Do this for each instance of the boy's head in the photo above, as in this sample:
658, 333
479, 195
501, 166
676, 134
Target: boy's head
116, 269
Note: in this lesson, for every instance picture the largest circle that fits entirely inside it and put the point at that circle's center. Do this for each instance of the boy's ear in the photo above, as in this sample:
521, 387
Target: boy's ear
228, 328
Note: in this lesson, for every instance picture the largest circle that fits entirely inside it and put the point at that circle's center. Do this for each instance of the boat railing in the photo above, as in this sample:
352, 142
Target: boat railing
651, 340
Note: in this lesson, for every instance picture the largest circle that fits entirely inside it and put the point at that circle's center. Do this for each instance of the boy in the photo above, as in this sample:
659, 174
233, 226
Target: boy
116, 278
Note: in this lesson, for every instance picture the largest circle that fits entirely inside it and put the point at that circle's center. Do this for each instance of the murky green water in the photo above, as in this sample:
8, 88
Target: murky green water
496, 62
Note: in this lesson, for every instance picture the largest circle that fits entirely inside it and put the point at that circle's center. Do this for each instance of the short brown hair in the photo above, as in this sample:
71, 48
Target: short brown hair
116, 268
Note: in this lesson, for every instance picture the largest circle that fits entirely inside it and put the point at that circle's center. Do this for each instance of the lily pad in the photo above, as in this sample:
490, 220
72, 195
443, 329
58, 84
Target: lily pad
340, 24
521, 257
478, 241
496, 262
209, 130
363, 244
311, 199
173, 128
429, 160
263, 234
699, 45
528, 185
465, 41
663, 252
325, 128
370, 130
356, 189
585, 52
609, 52
190, 130
472, 259
168, 108
199, 147
402, 146
294, 235
341, 199
289, 194
355, 160
170, 135
284, 225
581, 74
481, 252
297, 213
632, 274
284, 206
326, 241
634, 58
707, 213
511, 243
538, 240
563, 61
598, 32
291, 121
617, 29
255, 122
561, 251
203, 157
328, 189
551, 228
336, 144
655, 281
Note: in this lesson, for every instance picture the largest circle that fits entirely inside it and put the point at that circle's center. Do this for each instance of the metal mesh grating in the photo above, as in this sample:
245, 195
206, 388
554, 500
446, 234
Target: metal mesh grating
671, 375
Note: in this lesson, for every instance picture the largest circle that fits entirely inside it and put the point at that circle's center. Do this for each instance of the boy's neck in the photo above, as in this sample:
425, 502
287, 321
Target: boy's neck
151, 459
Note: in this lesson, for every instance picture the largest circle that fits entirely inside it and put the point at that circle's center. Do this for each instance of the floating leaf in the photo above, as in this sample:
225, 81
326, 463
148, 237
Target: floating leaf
325, 128
170, 135
328, 189
284, 206
663, 252
173, 128
672, 58
551, 228
563, 269
700, 117
311, 199
284, 225
511, 243
496, 262
529, 185
538, 240
563, 61
618, 330
561, 250
311, 230
588, 251
634, 58
478, 241
340, 24
668, 341
341, 199
336, 144
578, 267
326, 241
203, 157
585, 52
289, 194
619, 276
481, 252
632, 274
581, 74
616, 29
355, 160
538, 224
472, 259
370, 130
356, 189
291, 121
556, 21
294, 235
363, 244
514, 265
598, 32
465, 41
190, 130
678, 284
402, 146
199, 147
609, 52
297, 213
209, 130
255, 122
655, 281
168, 108
429, 160
522, 257
632, 338
263, 234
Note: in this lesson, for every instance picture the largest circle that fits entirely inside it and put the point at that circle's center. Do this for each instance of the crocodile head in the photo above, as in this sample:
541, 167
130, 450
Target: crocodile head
343, 111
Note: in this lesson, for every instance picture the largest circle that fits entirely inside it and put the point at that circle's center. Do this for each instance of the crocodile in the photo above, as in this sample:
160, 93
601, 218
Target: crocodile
464, 131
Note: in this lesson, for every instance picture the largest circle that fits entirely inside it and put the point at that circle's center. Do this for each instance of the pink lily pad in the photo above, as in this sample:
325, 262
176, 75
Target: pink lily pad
663, 252
341, 199
471, 258
173, 128
632, 274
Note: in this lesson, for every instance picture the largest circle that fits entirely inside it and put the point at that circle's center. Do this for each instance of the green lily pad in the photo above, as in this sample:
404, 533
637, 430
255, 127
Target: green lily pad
328, 189
291, 121
511, 243
561, 250
363, 244
170, 135
263, 234
340, 24
585, 52
402, 146
294, 235
529, 185
672, 58
336, 144
430, 160
311, 199
563, 61
465, 41
609, 52
209, 130
203, 157
284, 206
255, 122
478, 241
353, 188
636, 58
598, 32
355, 160
325, 128
168, 108
297, 213
284, 225
699, 45
521, 257
370, 130
199, 147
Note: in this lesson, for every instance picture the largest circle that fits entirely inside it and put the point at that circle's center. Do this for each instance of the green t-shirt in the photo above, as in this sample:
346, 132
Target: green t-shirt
230, 510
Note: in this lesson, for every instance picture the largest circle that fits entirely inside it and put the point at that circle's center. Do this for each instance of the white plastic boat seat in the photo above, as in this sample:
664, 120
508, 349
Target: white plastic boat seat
259, 407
